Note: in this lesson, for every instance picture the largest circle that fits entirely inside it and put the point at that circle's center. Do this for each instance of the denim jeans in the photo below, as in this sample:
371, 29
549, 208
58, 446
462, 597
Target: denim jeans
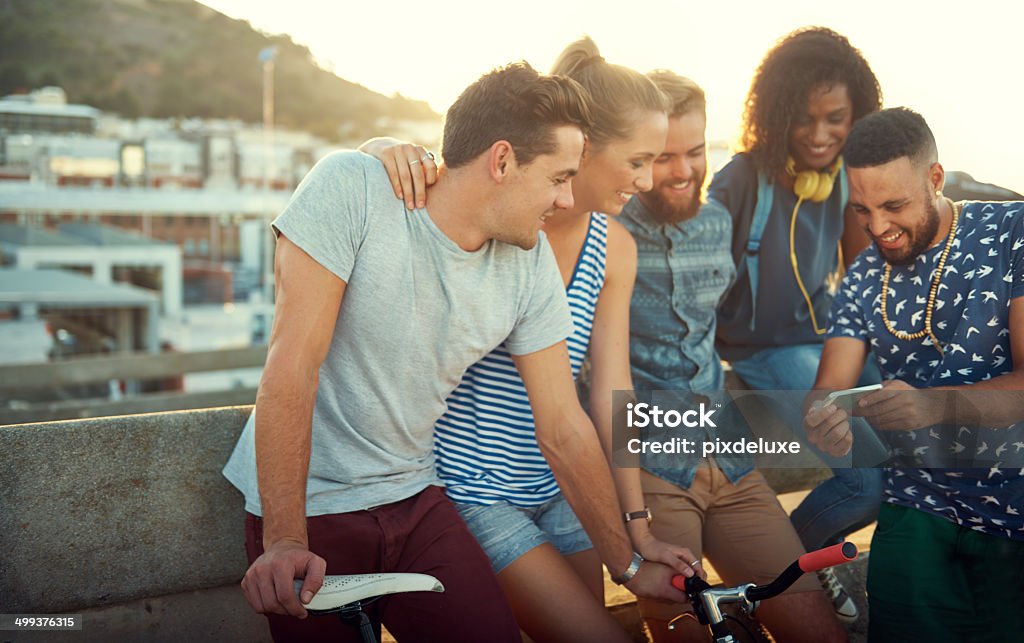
850, 499
506, 532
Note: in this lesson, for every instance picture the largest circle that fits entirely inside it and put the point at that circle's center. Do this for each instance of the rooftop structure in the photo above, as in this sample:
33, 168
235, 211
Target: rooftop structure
33, 198
59, 288
98, 250
129, 312
45, 110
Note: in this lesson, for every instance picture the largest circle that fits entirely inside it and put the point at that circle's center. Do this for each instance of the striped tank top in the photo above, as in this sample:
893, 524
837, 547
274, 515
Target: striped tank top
485, 444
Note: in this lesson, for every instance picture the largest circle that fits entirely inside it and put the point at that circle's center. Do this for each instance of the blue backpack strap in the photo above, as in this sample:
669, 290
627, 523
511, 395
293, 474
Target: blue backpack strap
844, 188
763, 207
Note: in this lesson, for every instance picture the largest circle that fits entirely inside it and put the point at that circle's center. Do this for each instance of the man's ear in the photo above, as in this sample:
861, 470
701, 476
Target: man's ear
501, 160
936, 176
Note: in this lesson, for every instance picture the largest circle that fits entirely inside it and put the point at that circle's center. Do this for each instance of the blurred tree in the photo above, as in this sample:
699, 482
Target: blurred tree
168, 58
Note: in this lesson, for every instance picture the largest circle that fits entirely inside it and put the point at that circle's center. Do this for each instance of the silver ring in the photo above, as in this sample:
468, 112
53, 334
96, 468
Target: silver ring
428, 155
695, 563
411, 163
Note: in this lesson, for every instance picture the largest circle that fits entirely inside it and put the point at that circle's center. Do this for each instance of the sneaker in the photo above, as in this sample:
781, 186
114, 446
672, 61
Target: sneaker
846, 609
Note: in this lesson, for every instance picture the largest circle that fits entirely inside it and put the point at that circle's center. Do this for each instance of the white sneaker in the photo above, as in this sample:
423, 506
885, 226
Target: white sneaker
846, 609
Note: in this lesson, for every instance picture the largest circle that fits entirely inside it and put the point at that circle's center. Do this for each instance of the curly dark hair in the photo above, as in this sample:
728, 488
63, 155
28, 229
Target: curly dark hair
799, 62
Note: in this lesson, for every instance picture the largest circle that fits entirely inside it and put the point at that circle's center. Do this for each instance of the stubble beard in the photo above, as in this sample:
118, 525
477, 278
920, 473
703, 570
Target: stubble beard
920, 238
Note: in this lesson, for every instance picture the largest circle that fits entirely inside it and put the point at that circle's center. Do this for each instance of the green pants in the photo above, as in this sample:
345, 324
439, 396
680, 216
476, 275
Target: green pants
932, 580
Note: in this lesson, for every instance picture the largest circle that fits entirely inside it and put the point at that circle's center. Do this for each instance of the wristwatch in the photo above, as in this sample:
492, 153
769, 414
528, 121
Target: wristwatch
634, 567
637, 515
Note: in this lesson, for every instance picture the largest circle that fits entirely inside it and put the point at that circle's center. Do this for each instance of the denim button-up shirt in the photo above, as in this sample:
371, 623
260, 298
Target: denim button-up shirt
683, 270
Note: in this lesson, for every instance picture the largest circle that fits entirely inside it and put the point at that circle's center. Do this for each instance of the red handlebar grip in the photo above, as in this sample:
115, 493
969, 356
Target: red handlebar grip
679, 582
830, 556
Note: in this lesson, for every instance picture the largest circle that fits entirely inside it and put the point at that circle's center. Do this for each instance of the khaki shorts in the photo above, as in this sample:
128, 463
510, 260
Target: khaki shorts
741, 528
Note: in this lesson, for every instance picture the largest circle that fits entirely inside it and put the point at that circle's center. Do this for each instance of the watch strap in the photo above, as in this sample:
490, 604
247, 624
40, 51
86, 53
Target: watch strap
637, 515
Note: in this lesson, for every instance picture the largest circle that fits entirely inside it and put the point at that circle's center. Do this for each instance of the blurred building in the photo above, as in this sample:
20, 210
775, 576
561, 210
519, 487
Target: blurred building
208, 187
106, 254
46, 110
85, 316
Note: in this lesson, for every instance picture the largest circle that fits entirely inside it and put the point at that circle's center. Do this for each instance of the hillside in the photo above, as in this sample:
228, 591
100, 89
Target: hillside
168, 58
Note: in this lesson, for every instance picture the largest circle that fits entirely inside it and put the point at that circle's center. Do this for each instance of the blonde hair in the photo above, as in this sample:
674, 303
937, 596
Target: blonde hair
684, 95
618, 94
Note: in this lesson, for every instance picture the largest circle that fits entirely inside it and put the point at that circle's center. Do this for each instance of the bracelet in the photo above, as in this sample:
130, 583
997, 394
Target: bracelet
634, 567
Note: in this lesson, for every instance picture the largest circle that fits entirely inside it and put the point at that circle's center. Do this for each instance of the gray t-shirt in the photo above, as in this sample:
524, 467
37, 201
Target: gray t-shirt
417, 312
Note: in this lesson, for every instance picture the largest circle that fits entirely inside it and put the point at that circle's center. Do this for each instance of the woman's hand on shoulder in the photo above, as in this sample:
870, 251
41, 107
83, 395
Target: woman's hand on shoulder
410, 167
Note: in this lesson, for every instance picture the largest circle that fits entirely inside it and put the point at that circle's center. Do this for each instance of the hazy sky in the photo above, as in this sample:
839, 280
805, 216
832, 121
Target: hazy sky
961, 64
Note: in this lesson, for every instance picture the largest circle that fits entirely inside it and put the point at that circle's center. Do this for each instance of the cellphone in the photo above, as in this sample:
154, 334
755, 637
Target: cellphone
844, 399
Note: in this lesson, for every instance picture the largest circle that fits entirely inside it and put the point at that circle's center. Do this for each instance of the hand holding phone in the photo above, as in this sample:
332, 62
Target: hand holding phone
845, 398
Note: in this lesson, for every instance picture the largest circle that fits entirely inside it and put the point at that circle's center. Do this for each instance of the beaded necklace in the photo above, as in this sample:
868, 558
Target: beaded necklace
930, 306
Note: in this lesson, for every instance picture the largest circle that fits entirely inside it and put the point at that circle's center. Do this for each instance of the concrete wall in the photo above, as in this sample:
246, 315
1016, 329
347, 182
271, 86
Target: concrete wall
103, 512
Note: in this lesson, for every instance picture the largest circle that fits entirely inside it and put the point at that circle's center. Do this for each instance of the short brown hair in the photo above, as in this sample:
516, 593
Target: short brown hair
514, 104
618, 94
684, 95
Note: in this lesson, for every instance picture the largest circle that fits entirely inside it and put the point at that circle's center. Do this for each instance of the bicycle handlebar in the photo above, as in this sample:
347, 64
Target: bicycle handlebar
839, 554
706, 599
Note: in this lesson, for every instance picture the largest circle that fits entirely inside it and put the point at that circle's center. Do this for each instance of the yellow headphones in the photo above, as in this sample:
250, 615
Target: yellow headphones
811, 185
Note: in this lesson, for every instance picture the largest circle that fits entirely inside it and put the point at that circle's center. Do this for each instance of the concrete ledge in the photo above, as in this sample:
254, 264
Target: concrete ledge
104, 511
202, 616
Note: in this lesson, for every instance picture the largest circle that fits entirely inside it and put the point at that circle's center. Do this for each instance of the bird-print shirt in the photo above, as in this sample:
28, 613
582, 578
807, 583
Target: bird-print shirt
982, 274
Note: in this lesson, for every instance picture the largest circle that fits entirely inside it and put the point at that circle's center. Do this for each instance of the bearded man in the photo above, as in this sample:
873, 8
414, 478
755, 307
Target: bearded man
939, 300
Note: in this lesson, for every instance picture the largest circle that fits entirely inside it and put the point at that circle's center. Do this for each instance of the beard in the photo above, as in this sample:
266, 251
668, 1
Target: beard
669, 212
920, 238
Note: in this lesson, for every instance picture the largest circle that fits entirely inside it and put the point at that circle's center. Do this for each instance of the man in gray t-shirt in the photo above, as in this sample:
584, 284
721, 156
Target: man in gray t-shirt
433, 308
378, 315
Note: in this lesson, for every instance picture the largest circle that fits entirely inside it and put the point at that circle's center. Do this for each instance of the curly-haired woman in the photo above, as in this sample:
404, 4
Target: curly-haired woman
786, 192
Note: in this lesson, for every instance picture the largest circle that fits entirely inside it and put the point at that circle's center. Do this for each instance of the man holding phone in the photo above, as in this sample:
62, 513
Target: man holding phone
939, 301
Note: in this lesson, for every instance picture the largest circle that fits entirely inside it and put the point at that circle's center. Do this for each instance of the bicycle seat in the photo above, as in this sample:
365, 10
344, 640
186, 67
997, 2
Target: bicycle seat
340, 591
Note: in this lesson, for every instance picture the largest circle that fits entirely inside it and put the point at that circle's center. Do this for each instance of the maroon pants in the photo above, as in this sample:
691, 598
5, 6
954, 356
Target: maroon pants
422, 534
